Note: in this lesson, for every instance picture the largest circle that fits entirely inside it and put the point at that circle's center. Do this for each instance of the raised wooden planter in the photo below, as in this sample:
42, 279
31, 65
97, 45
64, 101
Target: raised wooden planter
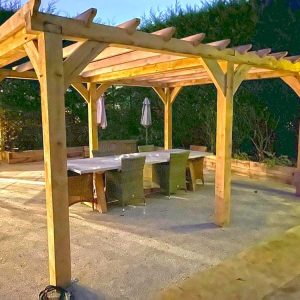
255, 169
36, 155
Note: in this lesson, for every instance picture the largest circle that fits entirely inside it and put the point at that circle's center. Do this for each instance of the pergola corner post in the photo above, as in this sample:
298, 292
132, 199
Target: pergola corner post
168, 96
227, 82
55, 156
294, 83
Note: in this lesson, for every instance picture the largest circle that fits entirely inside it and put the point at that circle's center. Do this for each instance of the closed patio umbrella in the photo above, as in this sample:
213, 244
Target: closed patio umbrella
146, 116
101, 113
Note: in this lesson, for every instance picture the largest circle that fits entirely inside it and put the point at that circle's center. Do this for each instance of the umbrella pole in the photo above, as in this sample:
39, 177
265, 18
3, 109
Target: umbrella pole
146, 135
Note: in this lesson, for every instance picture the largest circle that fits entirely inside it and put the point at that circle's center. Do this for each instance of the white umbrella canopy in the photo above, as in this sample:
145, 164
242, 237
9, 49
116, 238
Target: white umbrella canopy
101, 113
146, 120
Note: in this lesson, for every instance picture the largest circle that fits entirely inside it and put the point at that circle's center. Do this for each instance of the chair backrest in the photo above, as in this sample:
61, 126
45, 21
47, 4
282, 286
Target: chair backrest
198, 148
97, 153
146, 148
133, 164
178, 162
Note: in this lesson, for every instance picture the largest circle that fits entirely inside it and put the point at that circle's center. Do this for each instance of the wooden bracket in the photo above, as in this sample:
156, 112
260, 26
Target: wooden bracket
216, 73
100, 90
240, 74
168, 94
293, 82
82, 90
161, 94
174, 93
33, 54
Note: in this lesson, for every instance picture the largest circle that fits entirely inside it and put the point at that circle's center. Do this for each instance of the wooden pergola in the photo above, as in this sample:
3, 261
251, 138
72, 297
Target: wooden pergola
99, 56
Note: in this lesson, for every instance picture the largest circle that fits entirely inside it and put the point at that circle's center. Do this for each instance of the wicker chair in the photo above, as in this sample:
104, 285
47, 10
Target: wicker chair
80, 188
194, 169
171, 176
146, 148
126, 185
97, 153
198, 148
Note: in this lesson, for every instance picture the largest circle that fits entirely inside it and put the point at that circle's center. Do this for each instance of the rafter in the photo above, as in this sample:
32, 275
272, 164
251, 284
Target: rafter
78, 60
87, 16
73, 30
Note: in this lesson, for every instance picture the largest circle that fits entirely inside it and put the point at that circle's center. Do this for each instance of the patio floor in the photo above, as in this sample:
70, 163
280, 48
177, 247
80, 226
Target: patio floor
136, 254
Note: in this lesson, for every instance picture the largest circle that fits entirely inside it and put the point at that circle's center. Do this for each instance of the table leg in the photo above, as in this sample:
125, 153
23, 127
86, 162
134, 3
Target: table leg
101, 204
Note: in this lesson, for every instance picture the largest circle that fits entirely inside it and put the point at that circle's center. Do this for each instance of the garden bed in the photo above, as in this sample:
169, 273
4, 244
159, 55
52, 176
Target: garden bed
255, 169
36, 155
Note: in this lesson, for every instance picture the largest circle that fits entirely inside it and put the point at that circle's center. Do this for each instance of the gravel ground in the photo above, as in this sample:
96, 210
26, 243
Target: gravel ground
136, 254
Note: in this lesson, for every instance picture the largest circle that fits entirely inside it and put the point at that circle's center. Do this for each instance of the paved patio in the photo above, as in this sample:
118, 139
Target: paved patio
136, 254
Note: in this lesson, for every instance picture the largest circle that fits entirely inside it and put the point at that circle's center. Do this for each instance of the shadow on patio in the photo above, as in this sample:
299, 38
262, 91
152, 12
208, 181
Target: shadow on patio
139, 252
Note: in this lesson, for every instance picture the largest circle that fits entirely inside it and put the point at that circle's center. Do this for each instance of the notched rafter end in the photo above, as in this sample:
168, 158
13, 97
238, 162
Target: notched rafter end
293, 59
220, 45
242, 49
131, 25
195, 39
87, 16
262, 52
166, 33
34, 6
279, 55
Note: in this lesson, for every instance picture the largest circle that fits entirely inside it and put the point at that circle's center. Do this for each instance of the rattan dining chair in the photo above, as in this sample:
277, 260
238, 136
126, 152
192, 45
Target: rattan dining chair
146, 148
194, 169
198, 148
98, 153
126, 185
80, 188
171, 176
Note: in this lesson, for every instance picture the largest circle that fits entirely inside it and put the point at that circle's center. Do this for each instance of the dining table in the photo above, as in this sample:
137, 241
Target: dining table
99, 165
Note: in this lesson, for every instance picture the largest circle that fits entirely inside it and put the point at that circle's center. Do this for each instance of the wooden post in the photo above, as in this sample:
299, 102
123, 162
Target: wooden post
223, 154
55, 157
298, 156
227, 81
168, 120
168, 96
92, 116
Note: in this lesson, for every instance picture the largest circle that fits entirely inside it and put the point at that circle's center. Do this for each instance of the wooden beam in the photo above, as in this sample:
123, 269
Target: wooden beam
74, 30
17, 22
224, 150
55, 157
169, 66
11, 44
79, 59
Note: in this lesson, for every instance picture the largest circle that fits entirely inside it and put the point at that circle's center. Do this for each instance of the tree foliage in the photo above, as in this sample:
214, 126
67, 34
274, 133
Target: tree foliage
265, 112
